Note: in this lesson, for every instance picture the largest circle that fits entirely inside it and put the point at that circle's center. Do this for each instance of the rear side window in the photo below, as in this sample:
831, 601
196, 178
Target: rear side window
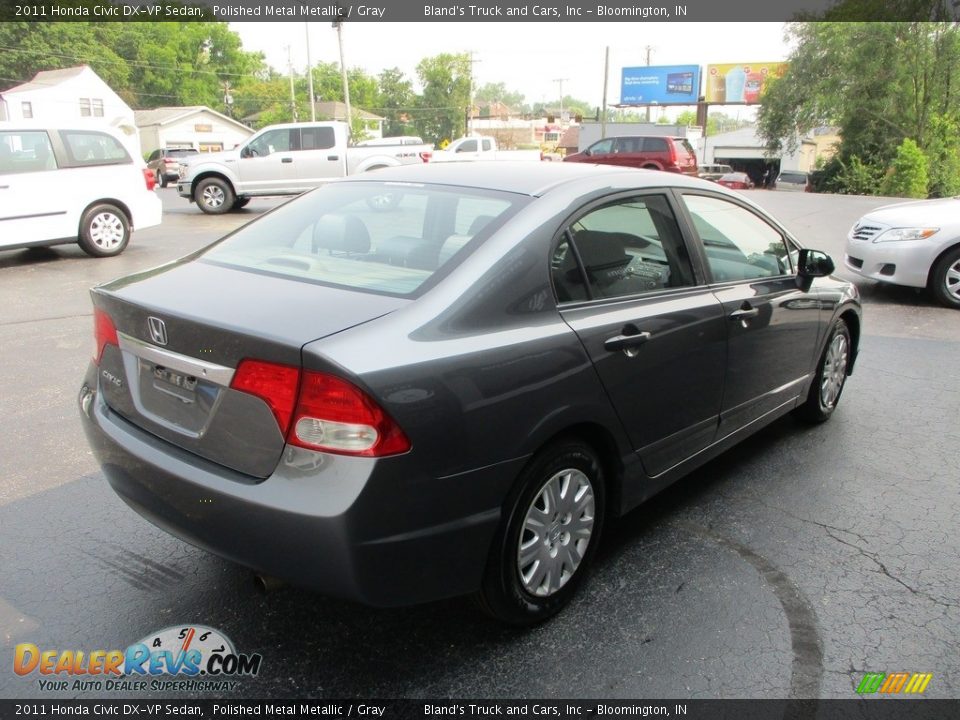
654, 144
629, 144
317, 138
738, 244
383, 238
26, 151
628, 247
88, 147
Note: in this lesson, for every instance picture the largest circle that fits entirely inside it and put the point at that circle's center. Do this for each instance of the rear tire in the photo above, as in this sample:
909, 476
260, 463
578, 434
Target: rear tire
945, 280
162, 180
548, 535
104, 230
828, 383
214, 196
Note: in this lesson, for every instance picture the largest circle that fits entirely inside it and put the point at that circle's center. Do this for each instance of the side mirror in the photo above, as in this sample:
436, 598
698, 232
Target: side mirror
812, 264
245, 153
587, 152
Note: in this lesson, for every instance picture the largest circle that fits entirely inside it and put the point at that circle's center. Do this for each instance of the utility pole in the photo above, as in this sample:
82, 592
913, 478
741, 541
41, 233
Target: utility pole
470, 95
606, 75
313, 105
293, 97
338, 24
648, 48
561, 81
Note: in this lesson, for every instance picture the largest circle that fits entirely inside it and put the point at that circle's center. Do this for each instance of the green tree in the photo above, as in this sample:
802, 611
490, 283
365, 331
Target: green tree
147, 64
907, 177
943, 156
395, 101
442, 106
497, 92
879, 83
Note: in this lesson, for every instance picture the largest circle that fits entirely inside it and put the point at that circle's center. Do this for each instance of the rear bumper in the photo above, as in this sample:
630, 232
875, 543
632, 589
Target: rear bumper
147, 210
374, 531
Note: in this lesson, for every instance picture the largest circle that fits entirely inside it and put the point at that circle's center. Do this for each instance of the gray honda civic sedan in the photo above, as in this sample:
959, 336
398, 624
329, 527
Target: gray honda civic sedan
441, 380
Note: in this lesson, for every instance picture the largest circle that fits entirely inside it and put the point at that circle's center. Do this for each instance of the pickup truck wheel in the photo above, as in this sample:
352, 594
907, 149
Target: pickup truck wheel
214, 196
240, 203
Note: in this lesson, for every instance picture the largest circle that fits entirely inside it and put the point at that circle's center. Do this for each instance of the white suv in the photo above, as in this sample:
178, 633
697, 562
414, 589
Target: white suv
61, 185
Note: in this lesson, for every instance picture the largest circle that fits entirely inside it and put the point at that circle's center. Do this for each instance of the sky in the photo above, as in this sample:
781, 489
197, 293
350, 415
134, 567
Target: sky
529, 57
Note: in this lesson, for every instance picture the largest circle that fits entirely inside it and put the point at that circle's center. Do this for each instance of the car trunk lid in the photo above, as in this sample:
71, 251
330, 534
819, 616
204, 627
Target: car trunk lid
181, 333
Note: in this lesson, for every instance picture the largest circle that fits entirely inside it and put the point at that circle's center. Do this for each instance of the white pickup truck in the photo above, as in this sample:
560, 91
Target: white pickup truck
284, 160
480, 147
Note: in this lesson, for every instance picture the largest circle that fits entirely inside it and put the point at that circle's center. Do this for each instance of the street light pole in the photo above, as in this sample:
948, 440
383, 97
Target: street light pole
561, 81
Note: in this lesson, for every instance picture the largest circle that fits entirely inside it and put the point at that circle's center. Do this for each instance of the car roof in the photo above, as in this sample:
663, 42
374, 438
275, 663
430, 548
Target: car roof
525, 178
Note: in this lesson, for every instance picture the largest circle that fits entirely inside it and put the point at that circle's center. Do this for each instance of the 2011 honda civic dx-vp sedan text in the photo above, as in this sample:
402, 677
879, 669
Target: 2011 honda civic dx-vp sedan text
440, 380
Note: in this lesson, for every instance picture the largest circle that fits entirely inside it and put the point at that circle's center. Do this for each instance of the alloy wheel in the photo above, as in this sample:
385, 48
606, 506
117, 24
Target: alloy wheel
834, 371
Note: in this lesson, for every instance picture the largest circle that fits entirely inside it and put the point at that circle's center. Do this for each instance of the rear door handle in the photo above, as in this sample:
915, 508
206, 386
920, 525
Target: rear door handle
286, 160
744, 313
626, 342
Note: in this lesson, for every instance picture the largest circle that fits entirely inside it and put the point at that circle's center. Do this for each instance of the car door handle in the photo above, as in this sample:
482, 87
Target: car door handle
625, 342
333, 157
286, 160
744, 313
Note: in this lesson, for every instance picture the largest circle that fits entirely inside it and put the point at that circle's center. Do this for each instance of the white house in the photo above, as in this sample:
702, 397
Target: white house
196, 127
71, 95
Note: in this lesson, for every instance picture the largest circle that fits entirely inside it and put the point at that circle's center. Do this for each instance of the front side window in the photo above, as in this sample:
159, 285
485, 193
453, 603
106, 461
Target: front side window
376, 237
468, 146
23, 152
738, 244
89, 147
602, 148
628, 247
270, 142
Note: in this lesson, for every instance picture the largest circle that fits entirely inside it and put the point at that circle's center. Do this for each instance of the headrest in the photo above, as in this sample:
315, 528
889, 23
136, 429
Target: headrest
341, 233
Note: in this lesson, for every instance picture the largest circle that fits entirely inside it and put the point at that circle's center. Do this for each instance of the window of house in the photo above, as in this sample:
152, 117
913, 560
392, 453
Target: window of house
97, 108
85, 110
27, 110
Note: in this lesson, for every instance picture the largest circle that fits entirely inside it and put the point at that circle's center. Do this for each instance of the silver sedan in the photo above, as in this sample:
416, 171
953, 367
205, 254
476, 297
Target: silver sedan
916, 244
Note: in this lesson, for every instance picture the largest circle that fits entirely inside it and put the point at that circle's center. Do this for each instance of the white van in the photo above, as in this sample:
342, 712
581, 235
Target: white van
65, 185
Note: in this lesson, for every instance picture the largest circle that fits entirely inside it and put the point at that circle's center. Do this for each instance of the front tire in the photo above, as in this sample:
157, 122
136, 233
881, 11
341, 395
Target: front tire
831, 376
945, 280
548, 535
214, 196
104, 230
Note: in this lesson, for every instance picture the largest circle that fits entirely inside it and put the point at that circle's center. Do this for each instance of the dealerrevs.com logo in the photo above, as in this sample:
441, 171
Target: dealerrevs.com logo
177, 658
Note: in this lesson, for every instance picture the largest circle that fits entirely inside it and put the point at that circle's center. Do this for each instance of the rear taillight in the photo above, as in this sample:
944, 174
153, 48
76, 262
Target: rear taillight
425, 155
321, 412
335, 416
149, 178
273, 383
170, 161
104, 333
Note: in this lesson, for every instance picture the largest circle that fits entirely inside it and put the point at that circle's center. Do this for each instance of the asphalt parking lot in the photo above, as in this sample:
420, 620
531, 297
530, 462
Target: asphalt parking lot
789, 567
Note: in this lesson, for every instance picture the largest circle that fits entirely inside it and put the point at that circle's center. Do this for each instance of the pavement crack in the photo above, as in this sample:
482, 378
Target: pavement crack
882, 568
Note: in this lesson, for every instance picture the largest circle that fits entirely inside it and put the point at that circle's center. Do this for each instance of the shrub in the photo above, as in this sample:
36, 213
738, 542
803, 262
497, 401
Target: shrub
907, 177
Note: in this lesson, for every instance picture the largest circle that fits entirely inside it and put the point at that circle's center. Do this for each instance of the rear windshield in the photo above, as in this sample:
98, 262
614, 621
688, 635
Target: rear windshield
390, 238
180, 152
685, 144
793, 177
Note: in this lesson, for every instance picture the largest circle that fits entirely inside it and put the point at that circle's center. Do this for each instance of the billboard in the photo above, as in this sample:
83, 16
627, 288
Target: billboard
740, 82
662, 85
